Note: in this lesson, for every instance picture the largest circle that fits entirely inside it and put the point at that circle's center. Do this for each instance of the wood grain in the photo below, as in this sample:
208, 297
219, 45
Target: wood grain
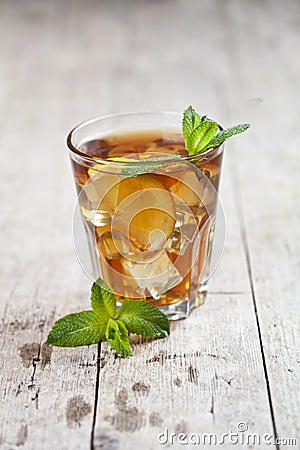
269, 216
235, 360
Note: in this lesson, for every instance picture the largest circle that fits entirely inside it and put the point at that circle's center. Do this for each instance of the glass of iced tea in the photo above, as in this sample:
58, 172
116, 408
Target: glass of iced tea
148, 208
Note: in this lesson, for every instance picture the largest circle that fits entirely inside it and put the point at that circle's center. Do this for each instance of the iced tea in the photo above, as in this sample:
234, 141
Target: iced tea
149, 224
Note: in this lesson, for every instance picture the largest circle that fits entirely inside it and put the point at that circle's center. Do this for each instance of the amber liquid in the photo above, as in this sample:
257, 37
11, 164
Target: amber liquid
151, 234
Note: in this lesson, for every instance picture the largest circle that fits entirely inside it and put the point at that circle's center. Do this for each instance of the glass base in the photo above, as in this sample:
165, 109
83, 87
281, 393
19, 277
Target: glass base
183, 308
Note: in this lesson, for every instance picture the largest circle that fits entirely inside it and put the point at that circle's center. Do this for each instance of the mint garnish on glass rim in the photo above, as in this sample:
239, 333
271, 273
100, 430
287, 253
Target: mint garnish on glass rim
105, 321
148, 165
200, 133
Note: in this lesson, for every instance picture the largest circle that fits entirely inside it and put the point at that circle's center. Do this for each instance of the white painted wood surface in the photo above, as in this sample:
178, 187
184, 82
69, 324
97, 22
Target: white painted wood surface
235, 359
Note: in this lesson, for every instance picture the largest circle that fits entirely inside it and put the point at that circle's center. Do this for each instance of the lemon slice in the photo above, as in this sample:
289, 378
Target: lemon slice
101, 165
148, 205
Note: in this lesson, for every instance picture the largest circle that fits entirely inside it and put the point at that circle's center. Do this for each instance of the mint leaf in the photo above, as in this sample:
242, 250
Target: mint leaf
190, 121
225, 134
200, 133
146, 165
143, 318
117, 337
90, 327
201, 136
83, 328
103, 300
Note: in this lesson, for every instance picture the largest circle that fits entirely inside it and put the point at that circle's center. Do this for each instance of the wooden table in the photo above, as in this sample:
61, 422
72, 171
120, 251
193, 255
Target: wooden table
235, 359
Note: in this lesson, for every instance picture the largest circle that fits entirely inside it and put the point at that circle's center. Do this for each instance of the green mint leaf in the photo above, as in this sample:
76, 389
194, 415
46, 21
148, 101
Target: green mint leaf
83, 328
90, 327
190, 121
200, 133
103, 300
117, 336
143, 318
201, 136
146, 166
219, 138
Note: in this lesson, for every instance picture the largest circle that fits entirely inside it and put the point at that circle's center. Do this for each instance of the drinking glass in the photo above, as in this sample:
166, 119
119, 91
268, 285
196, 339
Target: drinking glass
147, 207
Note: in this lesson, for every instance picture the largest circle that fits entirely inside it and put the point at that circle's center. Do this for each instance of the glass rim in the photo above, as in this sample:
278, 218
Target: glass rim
91, 159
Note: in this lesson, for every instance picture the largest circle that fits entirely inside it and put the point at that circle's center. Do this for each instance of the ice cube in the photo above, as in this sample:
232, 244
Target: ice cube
103, 190
174, 242
114, 245
152, 147
173, 149
96, 217
93, 148
189, 188
119, 150
212, 169
144, 207
107, 246
156, 277
186, 181
189, 184
185, 221
141, 201
89, 208
202, 245
185, 229
106, 180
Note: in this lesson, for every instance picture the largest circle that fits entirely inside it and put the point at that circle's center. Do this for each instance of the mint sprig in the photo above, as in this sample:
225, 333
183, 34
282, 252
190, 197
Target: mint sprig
83, 328
105, 321
200, 133
117, 336
103, 300
141, 318
146, 165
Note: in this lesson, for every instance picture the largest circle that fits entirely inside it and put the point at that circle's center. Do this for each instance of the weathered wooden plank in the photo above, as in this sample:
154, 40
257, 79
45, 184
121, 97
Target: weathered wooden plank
270, 213
61, 74
208, 375
47, 397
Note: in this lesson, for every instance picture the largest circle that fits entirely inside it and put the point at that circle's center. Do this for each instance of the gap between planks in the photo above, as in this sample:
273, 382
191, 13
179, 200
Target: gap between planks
243, 231
97, 391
